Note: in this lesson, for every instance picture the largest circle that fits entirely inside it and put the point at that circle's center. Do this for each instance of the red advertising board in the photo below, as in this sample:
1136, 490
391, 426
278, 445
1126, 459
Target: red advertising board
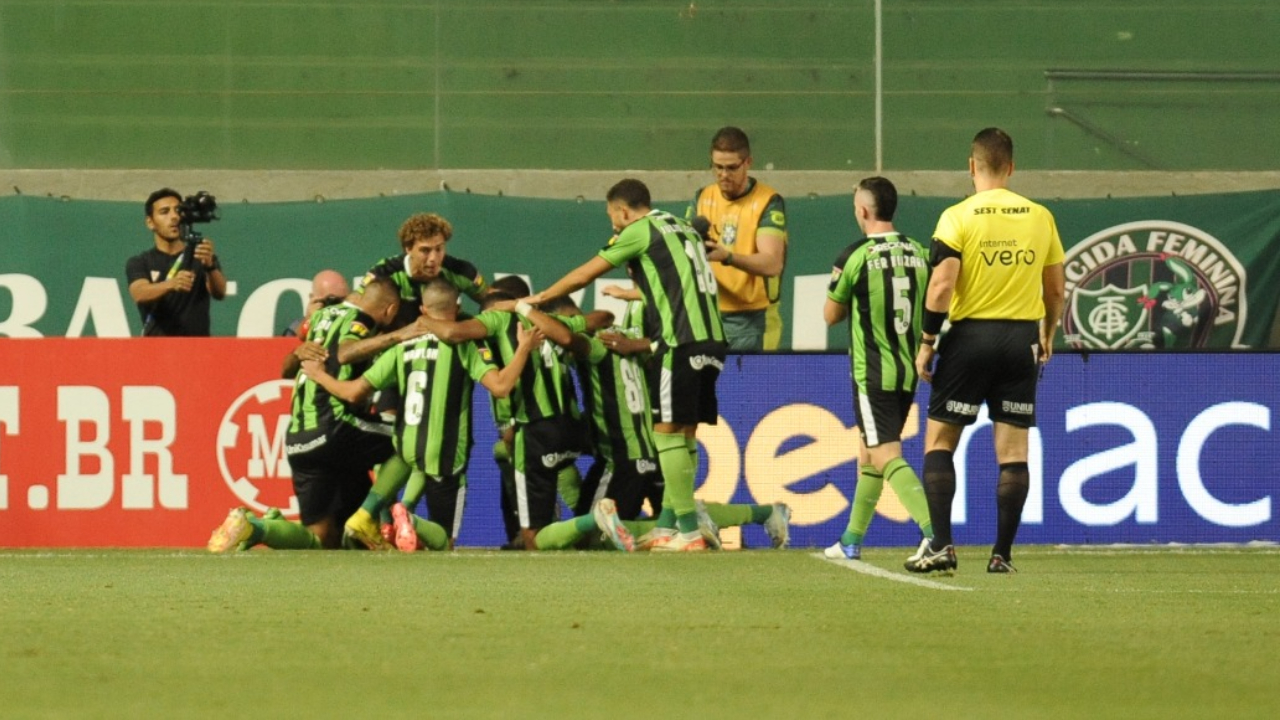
138, 442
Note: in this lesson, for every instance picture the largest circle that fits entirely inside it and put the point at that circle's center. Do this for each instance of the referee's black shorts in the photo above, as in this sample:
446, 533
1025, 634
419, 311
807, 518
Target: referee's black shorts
991, 361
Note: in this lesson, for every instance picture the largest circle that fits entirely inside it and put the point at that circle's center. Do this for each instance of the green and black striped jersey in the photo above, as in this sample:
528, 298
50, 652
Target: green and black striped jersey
435, 380
314, 410
545, 389
616, 398
500, 409
632, 321
669, 265
460, 273
882, 279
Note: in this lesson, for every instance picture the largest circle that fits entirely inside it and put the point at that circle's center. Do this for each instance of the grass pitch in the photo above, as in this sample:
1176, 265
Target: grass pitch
1078, 633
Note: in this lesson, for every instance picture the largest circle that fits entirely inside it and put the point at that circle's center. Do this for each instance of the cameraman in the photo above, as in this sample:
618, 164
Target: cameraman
172, 288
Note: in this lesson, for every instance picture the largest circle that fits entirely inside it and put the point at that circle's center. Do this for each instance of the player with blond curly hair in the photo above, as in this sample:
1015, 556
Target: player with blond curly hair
423, 238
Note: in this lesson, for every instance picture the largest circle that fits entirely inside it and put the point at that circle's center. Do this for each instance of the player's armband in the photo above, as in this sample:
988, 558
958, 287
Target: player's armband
941, 251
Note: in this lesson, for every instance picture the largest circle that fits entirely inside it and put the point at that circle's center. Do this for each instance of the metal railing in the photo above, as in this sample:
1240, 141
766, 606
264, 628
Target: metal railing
1120, 144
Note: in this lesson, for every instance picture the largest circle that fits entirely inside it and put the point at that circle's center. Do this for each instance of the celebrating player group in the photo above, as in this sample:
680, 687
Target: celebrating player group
384, 376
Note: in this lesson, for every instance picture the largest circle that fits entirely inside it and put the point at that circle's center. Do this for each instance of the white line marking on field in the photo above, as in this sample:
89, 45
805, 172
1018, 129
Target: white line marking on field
867, 569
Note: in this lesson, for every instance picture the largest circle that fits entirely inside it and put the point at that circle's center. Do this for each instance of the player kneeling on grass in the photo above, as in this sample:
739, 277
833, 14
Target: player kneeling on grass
332, 445
616, 395
628, 535
433, 425
615, 533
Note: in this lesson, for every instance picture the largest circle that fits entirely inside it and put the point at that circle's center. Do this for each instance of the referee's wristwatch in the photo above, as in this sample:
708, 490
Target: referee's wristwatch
926, 340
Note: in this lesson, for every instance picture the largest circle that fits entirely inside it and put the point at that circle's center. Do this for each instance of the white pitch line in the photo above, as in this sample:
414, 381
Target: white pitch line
872, 570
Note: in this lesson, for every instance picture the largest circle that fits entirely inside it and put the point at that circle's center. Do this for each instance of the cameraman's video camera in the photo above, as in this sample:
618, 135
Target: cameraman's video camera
199, 208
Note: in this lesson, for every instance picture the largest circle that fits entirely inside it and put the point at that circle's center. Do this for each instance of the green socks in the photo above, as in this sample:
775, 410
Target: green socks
907, 485
691, 444
433, 535
413, 489
564, 534
392, 476
569, 483
280, 534
667, 518
678, 474
863, 507
733, 515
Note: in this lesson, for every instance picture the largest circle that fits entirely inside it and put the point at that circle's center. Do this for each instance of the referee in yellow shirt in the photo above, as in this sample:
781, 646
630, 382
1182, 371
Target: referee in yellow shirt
997, 270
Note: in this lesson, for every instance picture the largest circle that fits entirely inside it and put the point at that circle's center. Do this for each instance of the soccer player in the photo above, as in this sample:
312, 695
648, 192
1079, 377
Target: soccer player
548, 432
423, 238
878, 284
328, 287
997, 270
775, 518
747, 239
616, 404
331, 444
569, 534
500, 410
433, 424
668, 262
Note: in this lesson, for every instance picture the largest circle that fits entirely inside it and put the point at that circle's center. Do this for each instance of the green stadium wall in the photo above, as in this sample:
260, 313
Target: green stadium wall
641, 84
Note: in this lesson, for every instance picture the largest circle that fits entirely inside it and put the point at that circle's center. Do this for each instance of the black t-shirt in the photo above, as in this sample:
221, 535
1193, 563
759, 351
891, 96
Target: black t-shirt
177, 314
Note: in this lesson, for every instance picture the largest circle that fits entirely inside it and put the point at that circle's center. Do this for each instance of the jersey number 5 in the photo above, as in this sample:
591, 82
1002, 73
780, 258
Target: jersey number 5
902, 304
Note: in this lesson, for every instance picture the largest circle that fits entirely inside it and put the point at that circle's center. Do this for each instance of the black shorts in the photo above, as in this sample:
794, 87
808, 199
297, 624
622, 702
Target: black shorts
682, 383
446, 497
542, 449
331, 479
881, 414
626, 482
991, 361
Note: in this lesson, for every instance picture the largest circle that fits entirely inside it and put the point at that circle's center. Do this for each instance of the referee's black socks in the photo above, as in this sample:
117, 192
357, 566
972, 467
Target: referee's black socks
1011, 495
940, 488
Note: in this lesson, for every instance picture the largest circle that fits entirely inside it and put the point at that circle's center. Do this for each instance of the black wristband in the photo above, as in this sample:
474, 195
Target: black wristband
933, 321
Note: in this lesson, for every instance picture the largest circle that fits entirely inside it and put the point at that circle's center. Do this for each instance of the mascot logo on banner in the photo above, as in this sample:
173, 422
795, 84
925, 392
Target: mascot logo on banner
1153, 284
251, 448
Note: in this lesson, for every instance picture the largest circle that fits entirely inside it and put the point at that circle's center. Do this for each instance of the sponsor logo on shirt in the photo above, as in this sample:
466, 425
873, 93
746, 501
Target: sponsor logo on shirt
553, 460
698, 362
